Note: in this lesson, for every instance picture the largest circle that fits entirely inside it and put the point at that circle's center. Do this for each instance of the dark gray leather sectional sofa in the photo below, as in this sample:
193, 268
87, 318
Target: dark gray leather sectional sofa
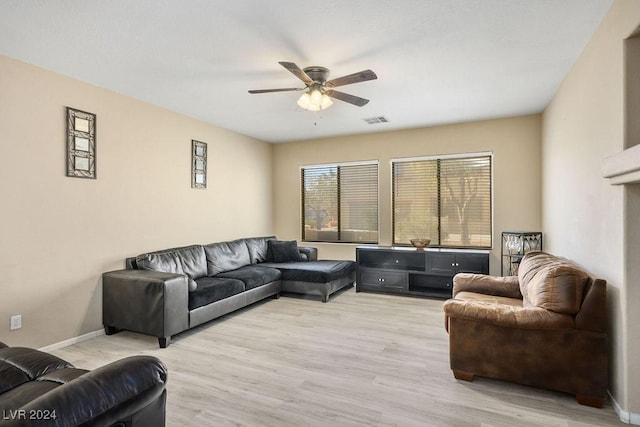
39, 389
163, 293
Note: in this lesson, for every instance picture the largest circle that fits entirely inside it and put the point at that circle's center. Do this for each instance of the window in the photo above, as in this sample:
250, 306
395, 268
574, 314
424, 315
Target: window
445, 199
340, 203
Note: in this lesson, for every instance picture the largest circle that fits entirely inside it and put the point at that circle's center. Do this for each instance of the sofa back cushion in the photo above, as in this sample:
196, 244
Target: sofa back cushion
258, 248
187, 260
551, 282
226, 256
28, 374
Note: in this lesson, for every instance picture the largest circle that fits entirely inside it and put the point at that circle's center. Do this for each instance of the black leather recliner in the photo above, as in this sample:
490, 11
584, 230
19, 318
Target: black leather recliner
39, 389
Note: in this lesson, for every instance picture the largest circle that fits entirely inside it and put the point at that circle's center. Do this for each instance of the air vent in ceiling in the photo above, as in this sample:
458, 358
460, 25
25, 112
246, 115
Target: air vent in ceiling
376, 119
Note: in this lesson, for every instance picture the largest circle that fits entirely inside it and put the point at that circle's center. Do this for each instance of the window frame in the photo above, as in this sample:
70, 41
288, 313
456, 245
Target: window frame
338, 165
444, 157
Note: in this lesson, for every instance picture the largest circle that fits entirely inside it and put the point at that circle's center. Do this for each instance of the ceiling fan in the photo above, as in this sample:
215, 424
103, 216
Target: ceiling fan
319, 91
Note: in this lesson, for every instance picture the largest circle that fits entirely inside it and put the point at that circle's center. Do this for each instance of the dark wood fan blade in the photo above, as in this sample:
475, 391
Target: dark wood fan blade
362, 76
274, 90
296, 71
351, 99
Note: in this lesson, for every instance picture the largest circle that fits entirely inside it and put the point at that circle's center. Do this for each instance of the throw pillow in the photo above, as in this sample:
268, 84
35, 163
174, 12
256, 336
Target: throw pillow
284, 250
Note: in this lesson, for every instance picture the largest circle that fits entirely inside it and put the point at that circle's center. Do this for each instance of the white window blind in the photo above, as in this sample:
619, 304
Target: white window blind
447, 200
340, 203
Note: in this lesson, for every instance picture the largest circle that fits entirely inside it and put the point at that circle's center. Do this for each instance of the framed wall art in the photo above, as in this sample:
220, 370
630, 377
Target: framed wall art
81, 143
198, 164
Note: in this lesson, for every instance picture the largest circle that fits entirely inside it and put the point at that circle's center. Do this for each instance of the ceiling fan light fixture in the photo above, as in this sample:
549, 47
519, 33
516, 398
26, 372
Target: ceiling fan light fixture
305, 101
326, 101
316, 97
315, 100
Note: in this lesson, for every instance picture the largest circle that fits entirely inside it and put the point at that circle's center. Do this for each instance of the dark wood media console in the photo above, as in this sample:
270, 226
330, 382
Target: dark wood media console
424, 272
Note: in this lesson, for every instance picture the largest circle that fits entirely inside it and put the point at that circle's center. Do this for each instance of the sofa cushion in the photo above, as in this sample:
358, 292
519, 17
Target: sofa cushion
258, 248
551, 282
187, 260
26, 374
226, 256
194, 262
253, 276
26, 392
212, 289
165, 261
322, 271
488, 299
283, 251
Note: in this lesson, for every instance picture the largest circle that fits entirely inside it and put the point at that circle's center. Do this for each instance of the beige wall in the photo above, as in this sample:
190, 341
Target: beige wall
58, 234
583, 215
515, 143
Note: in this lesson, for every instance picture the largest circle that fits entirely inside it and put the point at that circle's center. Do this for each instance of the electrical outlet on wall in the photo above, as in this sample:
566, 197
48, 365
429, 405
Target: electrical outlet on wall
16, 322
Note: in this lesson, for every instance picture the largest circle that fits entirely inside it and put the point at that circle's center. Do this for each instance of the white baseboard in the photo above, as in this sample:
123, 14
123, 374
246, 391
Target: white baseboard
71, 341
625, 416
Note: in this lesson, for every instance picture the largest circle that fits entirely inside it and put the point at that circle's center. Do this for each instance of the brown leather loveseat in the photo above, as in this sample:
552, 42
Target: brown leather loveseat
545, 327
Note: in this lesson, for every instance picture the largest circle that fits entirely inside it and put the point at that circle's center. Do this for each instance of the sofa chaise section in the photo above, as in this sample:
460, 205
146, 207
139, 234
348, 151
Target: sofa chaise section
322, 277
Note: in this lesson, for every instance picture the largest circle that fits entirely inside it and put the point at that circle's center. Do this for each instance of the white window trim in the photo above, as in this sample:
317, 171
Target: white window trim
442, 156
331, 165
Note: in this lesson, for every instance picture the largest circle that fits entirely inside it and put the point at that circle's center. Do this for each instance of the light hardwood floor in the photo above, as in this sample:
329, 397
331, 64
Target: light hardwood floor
361, 359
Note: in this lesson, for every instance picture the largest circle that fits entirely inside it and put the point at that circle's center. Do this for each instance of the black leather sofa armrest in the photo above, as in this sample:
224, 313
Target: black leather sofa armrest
310, 252
101, 397
151, 302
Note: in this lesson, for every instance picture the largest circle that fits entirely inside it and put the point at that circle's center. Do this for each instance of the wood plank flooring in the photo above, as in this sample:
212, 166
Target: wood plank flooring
362, 359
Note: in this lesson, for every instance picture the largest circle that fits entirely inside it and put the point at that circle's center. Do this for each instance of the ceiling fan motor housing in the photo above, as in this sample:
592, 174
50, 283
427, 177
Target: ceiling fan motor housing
317, 73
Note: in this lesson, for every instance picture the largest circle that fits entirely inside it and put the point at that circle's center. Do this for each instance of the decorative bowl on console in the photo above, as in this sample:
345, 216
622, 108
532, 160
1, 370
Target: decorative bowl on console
420, 243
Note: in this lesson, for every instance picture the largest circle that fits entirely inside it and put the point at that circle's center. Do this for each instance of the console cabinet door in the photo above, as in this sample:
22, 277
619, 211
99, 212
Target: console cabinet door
383, 279
441, 282
370, 278
472, 263
393, 280
444, 264
450, 264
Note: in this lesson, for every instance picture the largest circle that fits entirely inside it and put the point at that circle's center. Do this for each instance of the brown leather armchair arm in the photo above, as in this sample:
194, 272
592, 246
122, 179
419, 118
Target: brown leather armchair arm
593, 313
506, 315
488, 285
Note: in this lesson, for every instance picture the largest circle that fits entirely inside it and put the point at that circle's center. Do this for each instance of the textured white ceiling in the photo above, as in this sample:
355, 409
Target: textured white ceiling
437, 61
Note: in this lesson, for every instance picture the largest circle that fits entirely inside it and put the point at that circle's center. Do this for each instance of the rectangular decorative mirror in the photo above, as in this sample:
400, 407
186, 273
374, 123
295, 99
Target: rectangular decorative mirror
81, 143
